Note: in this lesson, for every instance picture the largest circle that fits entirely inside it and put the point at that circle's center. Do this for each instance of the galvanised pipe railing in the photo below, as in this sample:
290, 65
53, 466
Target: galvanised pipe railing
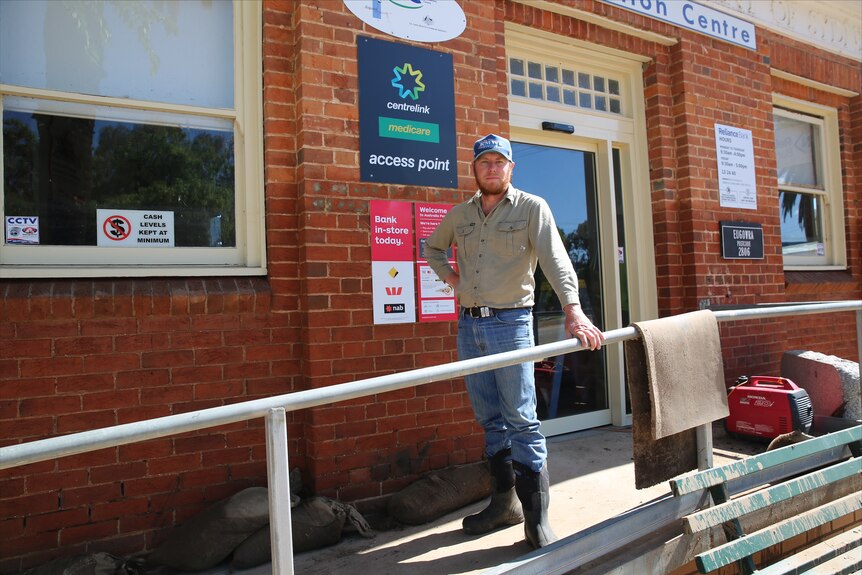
274, 409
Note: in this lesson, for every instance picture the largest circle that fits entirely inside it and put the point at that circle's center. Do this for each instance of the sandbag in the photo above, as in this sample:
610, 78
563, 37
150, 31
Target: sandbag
92, 564
440, 492
316, 522
211, 536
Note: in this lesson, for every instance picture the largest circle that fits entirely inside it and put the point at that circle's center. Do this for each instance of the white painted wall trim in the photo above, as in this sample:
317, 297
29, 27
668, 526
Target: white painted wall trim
832, 25
549, 6
813, 84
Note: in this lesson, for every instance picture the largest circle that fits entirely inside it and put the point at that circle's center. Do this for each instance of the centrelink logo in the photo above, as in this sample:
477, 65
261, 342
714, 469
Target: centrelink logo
406, 72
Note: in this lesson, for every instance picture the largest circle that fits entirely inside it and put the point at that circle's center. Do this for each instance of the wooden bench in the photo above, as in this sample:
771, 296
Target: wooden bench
791, 494
669, 535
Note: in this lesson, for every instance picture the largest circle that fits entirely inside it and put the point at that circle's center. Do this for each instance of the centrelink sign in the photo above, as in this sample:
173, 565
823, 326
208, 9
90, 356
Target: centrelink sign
695, 17
406, 115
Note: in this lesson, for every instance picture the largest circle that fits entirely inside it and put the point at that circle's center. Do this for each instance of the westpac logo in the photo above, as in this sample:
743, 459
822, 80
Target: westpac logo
394, 290
408, 81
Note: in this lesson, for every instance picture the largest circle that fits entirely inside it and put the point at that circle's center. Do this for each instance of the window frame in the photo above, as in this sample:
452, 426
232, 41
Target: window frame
249, 255
825, 119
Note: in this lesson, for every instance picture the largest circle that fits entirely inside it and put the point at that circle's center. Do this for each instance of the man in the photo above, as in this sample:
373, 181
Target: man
500, 234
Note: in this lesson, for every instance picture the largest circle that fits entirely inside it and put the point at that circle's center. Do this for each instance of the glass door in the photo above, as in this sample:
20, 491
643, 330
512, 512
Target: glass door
571, 390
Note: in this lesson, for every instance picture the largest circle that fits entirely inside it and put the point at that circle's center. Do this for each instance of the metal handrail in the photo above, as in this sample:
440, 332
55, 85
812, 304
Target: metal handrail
81, 442
273, 409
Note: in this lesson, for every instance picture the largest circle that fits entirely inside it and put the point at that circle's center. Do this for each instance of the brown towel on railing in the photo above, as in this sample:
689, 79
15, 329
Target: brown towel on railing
676, 382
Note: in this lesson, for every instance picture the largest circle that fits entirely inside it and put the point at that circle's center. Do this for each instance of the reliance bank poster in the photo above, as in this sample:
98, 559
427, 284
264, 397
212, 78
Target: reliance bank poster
406, 115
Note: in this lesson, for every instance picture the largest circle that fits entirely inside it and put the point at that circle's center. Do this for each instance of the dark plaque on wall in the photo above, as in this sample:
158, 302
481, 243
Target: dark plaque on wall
741, 240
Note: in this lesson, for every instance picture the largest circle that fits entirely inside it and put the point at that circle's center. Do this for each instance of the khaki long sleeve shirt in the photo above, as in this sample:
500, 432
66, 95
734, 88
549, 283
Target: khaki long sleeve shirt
497, 254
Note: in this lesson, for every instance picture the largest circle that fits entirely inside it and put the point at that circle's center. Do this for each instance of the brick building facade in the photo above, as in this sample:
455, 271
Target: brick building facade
90, 346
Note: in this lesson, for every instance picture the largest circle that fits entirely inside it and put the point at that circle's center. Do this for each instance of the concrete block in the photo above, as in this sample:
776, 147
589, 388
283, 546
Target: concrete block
832, 383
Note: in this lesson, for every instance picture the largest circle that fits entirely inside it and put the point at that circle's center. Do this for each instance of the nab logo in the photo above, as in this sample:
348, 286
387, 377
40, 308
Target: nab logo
406, 72
394, 290
394, 308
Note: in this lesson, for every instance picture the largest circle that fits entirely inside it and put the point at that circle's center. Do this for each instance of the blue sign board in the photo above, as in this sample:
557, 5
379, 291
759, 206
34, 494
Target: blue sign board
406, 115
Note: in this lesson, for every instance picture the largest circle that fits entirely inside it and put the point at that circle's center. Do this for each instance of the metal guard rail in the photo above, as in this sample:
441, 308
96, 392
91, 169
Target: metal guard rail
274, 409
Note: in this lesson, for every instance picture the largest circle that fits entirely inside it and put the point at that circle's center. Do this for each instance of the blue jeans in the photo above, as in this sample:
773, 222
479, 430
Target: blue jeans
504, 399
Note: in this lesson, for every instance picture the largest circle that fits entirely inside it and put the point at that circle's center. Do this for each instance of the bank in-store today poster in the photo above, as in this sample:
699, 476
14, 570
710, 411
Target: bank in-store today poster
392, 279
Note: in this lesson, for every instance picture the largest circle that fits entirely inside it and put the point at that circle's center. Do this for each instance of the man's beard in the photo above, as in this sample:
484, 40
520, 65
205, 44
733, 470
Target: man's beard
500, 187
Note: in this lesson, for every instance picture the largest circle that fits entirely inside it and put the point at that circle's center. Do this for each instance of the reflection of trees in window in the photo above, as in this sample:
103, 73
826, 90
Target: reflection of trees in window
162, 168
805, 211
545, 297
19, 173
805, 214
578, 245
580, 250
62, 169
582, 247
64, 184
798, 149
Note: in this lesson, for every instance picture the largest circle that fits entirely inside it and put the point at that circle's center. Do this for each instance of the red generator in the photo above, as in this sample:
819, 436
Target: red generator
765, 407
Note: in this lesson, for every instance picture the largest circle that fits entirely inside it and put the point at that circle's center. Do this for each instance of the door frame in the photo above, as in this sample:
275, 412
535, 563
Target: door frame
600, 134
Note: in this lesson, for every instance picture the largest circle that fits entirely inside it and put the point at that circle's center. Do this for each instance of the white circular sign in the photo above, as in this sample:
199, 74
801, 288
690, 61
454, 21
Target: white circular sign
418, 20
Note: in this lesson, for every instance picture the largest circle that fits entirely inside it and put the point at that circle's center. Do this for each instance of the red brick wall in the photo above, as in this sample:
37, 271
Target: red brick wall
90, 354
85, 354
834, 334
689, 87
372, 446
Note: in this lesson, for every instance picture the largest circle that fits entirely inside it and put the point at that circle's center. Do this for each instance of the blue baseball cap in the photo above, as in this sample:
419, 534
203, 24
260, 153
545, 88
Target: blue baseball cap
492, 143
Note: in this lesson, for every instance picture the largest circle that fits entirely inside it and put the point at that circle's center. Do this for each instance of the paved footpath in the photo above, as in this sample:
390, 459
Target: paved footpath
592, 479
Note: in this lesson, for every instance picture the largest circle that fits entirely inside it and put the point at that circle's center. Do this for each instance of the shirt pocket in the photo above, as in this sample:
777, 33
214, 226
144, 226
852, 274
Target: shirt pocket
514, 234
462, 236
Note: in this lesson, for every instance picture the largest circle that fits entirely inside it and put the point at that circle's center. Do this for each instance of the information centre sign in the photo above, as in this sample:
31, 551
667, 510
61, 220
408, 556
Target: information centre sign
695, 16
406, 115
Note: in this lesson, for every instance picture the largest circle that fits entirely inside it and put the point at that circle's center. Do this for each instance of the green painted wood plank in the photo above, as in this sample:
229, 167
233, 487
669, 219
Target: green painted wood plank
736, 508
696, 480
817, 554
759, 540
847, 564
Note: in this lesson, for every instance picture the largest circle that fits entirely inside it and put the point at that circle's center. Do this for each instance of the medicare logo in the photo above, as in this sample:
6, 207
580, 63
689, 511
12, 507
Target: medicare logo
414, 77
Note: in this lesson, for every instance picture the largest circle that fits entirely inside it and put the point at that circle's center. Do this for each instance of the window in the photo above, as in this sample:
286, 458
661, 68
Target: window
561, 84
809, 186
131, 135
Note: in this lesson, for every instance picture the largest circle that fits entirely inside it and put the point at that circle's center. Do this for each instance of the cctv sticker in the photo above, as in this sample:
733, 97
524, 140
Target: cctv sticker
22, 230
